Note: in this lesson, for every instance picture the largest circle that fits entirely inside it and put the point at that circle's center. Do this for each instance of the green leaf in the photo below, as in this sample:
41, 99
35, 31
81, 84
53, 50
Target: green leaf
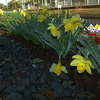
37, 60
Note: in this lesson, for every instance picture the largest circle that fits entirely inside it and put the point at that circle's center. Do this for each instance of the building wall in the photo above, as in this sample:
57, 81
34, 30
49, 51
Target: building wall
55, 3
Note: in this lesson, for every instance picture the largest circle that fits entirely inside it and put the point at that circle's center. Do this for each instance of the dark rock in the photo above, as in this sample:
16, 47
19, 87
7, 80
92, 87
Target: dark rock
65, 84
12, 66
6, 73
2, 87
44, 87
2, 43
43, 98
54, 96
1, 78
28, 98
30, 75
26, 81
64, 77
10, 89
26, 93
40, 97
14, 96
23, 81
15, 71
65, 93
14, 81
57, 87
33, 89
20, 88
1, 72
57, 79
5, 67
22, 72
43, 78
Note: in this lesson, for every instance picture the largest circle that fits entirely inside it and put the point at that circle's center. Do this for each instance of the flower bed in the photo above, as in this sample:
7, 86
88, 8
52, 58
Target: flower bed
60, 35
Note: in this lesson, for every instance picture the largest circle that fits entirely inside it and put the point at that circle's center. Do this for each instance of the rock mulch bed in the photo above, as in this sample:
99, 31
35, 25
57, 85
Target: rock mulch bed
21, 79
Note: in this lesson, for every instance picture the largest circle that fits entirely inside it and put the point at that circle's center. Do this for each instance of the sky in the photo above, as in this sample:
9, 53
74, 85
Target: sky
4, 1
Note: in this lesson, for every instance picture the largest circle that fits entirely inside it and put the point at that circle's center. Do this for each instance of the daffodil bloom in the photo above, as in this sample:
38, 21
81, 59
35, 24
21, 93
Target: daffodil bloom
72, 23
82, 64
26, 15
14, 11
54, 30
77, 21
69, 25
22, 19
1, 12
44, 10
3, 19
41, 18
23, 12
57, 68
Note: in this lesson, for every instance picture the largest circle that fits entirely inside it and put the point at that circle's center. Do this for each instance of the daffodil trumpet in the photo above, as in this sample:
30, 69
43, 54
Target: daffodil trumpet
58, 69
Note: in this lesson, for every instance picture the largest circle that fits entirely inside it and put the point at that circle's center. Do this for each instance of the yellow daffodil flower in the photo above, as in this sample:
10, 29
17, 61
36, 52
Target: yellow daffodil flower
77, 21
22, 19
69, 25
41, 18
76, 18
54, 30
23, 12
44, 10
1, 12
57, 68
3, 19
14, 11
81, 64
72, 23
27, 15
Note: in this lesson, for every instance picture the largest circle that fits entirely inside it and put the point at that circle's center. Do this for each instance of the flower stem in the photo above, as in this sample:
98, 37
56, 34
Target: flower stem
87, 55
59, 60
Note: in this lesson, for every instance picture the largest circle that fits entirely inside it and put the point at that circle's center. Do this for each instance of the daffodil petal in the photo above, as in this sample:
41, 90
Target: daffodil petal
63, 68
74, 62
57, 70
88, 69
80, 71
80, 25
51, 26
77, 57
73, 30
52, 67
89, 62
65, 21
